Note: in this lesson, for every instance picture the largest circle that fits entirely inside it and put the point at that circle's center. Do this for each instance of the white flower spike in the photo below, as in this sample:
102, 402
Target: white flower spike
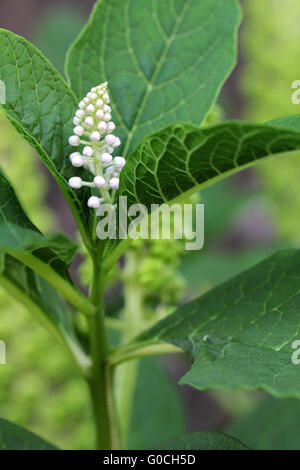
93, 134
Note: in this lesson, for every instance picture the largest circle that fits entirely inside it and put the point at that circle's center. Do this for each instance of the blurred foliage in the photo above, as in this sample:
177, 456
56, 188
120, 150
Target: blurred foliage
155, 392
56, 30
270, 49
274, 424
38, 388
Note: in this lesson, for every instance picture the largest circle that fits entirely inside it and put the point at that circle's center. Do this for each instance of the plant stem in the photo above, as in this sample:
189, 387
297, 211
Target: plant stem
126, 374
138, 350
65, 288
100, 382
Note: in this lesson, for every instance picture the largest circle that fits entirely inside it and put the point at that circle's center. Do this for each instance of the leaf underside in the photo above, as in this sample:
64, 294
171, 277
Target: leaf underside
14, 437
183, 158
240, 333
18, 233
204, 440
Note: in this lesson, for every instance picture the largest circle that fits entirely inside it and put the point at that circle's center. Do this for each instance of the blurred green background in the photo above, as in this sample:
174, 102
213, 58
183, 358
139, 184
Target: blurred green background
246, 218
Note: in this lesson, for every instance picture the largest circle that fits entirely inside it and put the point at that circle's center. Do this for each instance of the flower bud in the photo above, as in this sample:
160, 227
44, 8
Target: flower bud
110, 126
102, 126
119, 162
99, 181
117, 142
74, 140
100, 114
89, 121
76, 159
78, 130
114, 183
93, 202
110, 139
106, 158
88, 151
95, 136
75, 182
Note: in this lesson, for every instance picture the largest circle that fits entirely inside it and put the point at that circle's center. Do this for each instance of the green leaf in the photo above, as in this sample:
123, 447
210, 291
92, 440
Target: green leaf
18, 234
41, 107
182, 159
158, 412
272, 425
289, 122
49, 257
43, 302
203, 440
164, 60
240, 333
14, 437
19, 238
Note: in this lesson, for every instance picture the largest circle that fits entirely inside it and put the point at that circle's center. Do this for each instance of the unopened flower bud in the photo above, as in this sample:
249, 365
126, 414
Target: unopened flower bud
100, 114
114, 183
74, 140
80, 113
78, 130
117, 142
102, 126
110, 139
76, 159
99, 181
75, 182
93, 202
110, 126
88, 151
119, 162
106, 158
89, 121
95, 136
90, 108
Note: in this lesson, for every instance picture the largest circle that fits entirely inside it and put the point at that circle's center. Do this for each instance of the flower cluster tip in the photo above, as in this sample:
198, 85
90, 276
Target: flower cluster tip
93, 133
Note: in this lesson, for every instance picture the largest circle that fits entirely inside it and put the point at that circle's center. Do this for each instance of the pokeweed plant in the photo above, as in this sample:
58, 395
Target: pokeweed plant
142, 78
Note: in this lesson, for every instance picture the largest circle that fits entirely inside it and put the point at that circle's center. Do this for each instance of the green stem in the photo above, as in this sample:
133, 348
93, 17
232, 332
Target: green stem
65, 288
100, 382
67, 341
126, 374
138, 350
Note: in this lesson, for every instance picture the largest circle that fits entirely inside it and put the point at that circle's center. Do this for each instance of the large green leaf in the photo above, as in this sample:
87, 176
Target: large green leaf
41, 106
43, 302
182, 158
158, 413
19, 238
14, 437
240, 334
204, 440
48, 256
272, 425
164, 60
19, 234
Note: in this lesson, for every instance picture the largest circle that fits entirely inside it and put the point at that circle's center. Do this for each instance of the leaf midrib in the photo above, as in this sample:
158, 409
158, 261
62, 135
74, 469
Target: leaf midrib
154, 75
